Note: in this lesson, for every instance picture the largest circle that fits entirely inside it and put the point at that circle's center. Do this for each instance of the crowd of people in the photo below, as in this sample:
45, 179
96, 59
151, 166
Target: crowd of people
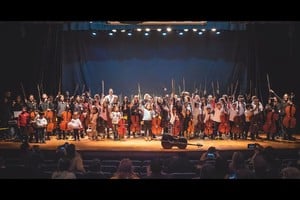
111, 116
260, 163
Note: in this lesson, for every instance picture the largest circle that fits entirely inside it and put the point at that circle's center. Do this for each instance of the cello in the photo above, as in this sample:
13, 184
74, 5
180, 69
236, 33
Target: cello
270, 123
168, 141
190, 129
224, 127
289, 120
238, 126
122, 127
135, 126
156, 125
32, 124
176, 128
188, 125
49, 115
209, 124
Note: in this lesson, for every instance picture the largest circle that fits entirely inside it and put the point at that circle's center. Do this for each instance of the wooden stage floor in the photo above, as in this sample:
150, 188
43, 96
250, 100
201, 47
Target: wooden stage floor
140, 145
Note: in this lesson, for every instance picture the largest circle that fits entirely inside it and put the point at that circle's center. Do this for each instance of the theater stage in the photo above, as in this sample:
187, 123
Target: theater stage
139, 144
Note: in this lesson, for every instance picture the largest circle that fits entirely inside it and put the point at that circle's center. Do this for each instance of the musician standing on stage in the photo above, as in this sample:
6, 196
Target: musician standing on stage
257, 118
23, 123
218, 110
44, 104
281, 104
31, 103
61, 107
110, 98
135, 116
147, 119
115, 116
41, 123
126, 113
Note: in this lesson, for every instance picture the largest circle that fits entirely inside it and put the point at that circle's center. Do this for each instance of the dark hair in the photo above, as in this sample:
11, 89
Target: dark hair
156, 165
211, 149
63, 164
95, 166
71, 150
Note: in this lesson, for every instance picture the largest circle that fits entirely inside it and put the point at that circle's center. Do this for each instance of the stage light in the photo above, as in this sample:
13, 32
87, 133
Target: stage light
110, 33
147, 29
159, 29
114, 30
123, 30
94, 33
129, 34
180, 33
139, 29
186, 30
194, 29
164, 33
218, 33
200, 33
146, 34
169, 29
213, 29
203, 30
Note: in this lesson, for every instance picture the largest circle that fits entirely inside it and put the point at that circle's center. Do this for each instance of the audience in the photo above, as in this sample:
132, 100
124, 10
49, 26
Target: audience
263, 164
76, 159
125, 170
63, 170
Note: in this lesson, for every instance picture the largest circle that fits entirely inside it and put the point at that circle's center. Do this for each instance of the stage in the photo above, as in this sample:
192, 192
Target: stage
141, 145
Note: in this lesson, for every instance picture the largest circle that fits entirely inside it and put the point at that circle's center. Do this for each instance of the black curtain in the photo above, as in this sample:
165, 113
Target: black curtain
30, 54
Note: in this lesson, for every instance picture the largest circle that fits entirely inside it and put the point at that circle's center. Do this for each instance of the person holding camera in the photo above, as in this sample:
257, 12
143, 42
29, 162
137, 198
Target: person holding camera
211, 154
212, 165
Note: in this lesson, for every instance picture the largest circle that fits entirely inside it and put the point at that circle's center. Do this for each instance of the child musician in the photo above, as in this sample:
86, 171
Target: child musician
115, 117
75, 125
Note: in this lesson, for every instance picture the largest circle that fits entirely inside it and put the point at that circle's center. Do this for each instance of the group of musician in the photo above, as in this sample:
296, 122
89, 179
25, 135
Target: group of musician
110, 116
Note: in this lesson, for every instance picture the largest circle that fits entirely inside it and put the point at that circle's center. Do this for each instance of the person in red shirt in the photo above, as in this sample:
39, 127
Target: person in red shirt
23, 123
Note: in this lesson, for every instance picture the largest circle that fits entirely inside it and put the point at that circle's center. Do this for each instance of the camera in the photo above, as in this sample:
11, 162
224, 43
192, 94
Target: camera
211, 155
211, 152
252, 146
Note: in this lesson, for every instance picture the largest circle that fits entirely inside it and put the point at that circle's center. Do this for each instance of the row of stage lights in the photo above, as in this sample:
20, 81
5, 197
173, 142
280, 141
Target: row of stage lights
163, 32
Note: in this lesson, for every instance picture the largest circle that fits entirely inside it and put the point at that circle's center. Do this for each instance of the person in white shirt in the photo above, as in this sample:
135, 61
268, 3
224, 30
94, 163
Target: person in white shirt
110, 98
41, 124
75, 125
115, 118
147, 119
